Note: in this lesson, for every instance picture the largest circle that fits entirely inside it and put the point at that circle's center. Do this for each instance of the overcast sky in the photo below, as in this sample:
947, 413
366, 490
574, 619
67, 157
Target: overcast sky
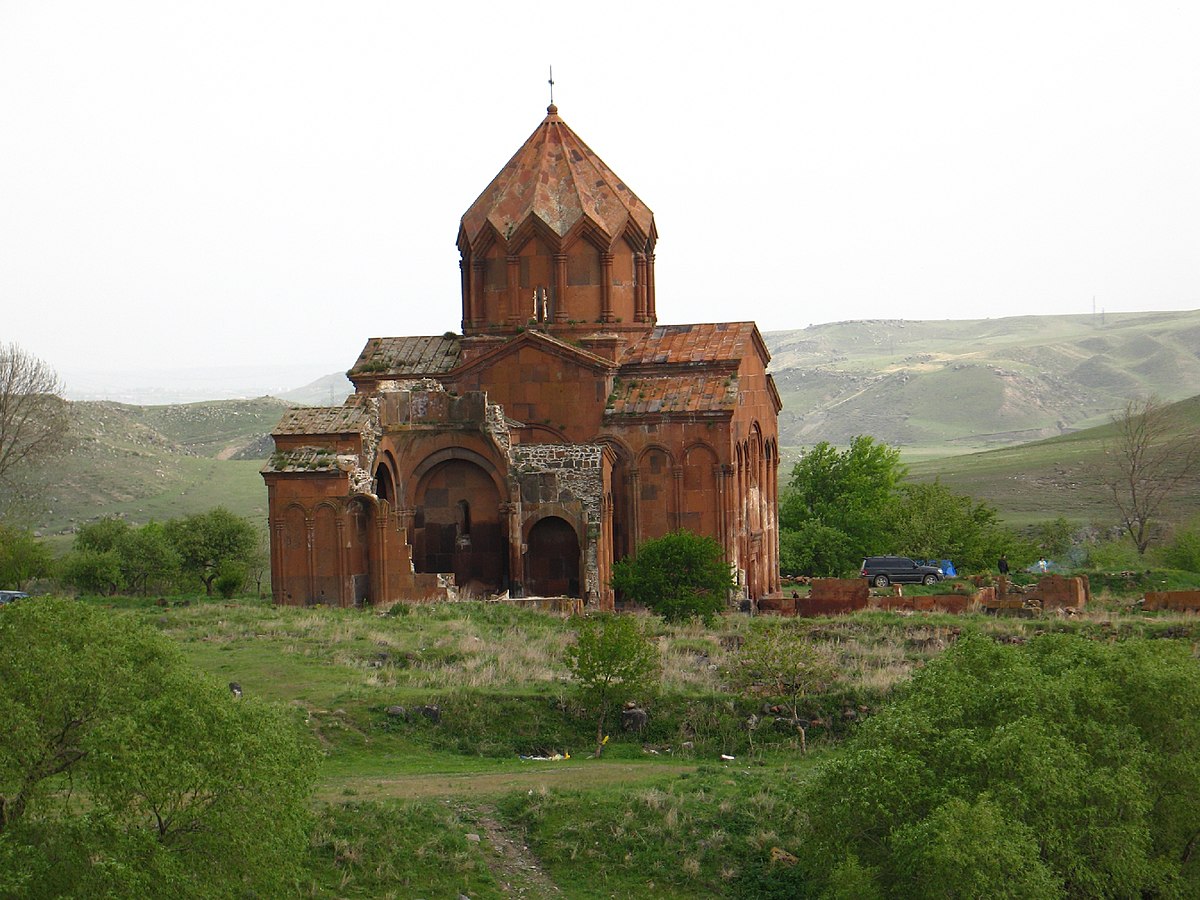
232, 183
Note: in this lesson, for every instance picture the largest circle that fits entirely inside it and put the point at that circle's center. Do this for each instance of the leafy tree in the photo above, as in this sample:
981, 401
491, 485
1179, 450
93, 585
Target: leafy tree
22, 557
837, 499
680, 575
1053, 537
1184, 550
778, 661
1067, 752
125, 773
94, 564
1153, 453
928, 520
612, 660
33, 416
210, 542
814, 548
146, 557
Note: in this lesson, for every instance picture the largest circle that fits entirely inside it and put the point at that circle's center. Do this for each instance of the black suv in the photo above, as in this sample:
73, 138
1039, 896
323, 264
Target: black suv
884, 570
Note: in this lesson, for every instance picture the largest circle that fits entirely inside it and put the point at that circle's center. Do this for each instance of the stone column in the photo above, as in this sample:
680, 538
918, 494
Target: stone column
478, 313
676, 517
651, 311
309, 561
378, 564
464, 274
276, 528
635, 502
345, 592
639, 294
511, 514
606, 264
560, 287
514, 290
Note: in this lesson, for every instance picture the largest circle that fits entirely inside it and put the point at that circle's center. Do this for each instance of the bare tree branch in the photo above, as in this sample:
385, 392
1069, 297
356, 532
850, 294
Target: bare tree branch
1151, 454
33, 415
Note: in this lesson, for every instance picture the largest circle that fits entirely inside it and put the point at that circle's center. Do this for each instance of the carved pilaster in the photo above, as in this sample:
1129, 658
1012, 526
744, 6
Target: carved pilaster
606, 267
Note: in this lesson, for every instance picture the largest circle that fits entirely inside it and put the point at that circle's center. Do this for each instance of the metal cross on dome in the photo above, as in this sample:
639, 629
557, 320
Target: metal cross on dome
552, 85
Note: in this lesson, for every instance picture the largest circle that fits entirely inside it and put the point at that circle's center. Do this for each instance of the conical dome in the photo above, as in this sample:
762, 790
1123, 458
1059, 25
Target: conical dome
558, 179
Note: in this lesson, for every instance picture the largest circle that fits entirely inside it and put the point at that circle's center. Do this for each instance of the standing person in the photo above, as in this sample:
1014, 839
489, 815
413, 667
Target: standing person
1043, 565
1003, 564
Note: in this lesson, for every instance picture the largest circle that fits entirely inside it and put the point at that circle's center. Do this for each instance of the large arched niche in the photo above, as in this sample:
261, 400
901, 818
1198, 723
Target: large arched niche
656, 483
326, 550
552, 559
700, 496
293, 556
457, 526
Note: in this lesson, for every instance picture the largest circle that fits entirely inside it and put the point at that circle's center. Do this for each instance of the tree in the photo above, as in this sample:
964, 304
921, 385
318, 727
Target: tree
1053, 769
846, 493
146, 558
22, 557
212, 542
612, 660
94, 564
33, 417
680, 575
125, 773
1153, 451
776, 661
929, 521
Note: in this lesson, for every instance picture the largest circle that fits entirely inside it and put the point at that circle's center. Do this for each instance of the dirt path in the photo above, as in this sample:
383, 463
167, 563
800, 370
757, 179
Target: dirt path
474, 784
516, 869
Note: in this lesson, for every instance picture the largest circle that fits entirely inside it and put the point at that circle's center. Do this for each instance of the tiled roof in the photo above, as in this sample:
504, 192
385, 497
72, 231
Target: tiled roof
411, 356
322, 420
684, 344
556, 177
302, 459
673, 394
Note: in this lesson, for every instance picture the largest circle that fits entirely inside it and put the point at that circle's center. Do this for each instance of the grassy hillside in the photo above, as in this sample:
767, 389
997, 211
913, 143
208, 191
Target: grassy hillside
1062, 476
938, 386
155, 462
409, 807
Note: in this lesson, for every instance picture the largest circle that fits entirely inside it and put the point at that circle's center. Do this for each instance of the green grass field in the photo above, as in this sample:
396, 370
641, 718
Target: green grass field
406, 807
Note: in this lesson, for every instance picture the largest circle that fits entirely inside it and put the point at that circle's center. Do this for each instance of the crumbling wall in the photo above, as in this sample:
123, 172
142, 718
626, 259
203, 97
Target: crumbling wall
1176, 601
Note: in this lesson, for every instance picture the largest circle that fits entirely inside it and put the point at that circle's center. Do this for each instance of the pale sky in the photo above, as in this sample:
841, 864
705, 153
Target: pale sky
271, 183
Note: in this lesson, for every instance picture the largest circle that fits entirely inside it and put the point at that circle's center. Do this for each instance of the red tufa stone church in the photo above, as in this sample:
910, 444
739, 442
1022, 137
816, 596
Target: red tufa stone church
560, 431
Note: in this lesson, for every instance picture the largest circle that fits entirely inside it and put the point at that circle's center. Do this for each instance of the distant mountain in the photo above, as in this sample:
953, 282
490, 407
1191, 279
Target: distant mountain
1062, 476
154, 462
328, 390
976, 383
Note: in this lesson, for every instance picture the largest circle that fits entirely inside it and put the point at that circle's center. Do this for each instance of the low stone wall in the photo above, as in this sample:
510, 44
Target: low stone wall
1175, 601
1060, 592
948, 603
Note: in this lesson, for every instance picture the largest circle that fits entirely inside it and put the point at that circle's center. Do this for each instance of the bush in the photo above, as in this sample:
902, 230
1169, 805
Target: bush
680, 576
184, 790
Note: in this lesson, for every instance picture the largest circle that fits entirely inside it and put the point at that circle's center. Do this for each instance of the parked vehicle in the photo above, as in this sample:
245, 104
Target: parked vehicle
884, 570
10, 596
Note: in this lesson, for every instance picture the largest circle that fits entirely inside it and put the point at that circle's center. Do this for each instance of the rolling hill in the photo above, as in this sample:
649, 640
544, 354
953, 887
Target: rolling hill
945, 387
1061, 476
154, 463
1025, 389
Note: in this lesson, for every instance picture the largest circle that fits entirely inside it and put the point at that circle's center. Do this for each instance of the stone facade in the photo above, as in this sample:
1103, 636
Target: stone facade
562, 429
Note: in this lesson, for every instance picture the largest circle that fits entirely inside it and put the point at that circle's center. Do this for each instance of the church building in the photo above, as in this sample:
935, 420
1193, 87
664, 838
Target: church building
560, 430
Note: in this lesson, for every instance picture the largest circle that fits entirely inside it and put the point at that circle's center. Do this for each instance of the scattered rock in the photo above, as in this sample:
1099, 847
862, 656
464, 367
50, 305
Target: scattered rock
432, 712
473, 838
634, 719
398, 712
781, 856
235, 689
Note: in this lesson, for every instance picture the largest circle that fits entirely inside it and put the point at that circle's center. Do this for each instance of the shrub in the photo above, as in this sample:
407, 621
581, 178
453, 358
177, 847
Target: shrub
680, 575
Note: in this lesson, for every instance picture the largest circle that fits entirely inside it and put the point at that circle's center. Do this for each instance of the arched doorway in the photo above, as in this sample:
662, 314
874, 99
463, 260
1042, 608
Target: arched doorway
457, 526
552, 561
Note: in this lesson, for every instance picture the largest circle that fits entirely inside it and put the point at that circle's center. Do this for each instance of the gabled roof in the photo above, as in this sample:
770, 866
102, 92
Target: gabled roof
556, 177
322, 420
696, 344
412, 357
552, 345
699, 393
